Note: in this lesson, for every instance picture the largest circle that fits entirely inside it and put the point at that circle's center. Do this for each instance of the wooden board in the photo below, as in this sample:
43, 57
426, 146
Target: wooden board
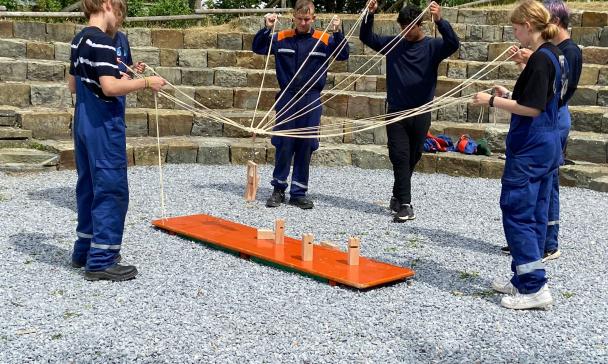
327, 263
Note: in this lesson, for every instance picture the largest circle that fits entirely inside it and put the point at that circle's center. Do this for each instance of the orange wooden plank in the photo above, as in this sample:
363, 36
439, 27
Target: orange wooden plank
327, 263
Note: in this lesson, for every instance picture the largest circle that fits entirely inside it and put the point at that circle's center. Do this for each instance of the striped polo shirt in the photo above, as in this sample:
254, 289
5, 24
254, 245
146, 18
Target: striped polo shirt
93, 55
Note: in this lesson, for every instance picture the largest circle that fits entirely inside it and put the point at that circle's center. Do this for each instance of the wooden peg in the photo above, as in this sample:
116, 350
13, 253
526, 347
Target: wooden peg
253, 180
279, 231
265, 234
307, 245
353, 251
329, 244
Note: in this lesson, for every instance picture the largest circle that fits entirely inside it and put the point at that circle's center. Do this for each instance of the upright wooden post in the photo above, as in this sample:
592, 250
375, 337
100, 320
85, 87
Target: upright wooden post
279, 231
353, 251
307, 240
252, 181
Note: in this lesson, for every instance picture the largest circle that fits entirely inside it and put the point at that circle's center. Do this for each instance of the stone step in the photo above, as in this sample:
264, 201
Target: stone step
50, 124
22, 160
11, 133
8, 117
144, 151
599, 184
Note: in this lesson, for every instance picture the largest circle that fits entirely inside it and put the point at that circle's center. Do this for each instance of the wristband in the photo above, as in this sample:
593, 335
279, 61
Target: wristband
491, 101
146, 82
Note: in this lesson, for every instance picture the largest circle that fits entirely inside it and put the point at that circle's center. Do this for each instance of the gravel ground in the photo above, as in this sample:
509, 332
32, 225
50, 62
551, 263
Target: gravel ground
194, 304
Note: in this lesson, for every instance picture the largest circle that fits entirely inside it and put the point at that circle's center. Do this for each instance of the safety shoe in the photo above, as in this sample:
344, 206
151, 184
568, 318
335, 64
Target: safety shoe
505, 250
405, 213
541, 299
79, 265
276, 199
394, 205
552, 254
504, 285
114, 273
302, 202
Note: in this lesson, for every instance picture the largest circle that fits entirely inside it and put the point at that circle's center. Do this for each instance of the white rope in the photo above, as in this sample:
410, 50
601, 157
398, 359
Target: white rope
257, 103
160, 164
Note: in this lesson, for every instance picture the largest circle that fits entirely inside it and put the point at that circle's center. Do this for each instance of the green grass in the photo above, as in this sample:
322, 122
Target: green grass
568, 294
69, 314
468, 275
485, 293
56, 336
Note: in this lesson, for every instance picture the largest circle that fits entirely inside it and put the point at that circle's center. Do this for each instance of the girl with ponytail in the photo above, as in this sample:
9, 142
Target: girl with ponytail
533, 154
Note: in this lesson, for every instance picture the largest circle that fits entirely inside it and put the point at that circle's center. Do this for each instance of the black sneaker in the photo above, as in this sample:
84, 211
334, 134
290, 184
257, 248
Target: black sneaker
115, 273
505, 250
276, 199
302, 202
405, 213
394, 205
79, 265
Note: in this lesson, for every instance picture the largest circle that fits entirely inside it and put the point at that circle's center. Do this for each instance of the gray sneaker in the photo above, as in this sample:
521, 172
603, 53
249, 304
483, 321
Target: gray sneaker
405, 213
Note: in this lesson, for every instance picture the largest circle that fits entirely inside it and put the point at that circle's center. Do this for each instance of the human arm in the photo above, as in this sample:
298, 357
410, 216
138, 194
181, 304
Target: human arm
449, 38
483, 99
112, 86
337, 40
366, 33
72, 84
262, 39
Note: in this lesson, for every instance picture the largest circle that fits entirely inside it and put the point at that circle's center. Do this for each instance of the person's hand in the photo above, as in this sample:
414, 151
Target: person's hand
519, 55
373, 5
481, 99
139, 67
335, 23
155, 83
124, 76
501, 91
435, 11
270, 19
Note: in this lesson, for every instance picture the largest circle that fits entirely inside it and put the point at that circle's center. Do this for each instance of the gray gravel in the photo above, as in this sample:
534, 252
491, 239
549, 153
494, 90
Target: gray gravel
195, 304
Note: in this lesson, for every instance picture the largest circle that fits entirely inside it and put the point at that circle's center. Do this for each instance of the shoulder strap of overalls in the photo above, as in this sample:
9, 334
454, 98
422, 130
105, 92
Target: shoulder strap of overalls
559, 89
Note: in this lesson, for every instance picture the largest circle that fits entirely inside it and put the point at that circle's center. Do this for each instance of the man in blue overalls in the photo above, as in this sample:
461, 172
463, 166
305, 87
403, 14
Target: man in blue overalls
294, 48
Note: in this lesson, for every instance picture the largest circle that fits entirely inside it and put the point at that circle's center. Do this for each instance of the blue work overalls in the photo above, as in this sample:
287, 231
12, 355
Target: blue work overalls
102, 192
291, 50
533, 154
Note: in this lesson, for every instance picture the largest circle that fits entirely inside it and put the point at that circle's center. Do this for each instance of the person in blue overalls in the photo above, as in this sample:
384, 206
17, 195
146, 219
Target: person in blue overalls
291, 48
102, 191
560, 15
532, 156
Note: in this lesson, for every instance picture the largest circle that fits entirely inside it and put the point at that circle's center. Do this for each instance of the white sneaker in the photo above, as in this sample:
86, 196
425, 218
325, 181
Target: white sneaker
504, 285
541, 299
552, 254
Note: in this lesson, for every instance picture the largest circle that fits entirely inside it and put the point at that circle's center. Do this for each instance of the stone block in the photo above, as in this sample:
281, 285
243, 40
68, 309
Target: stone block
589, 75
53, 95
602, 78
247, 99
8, 117
199, 39
171, 122
584, 96
580, 175
360, 64
450, 14
507, 34
604, 37
442, 70
192, 58
139, 37
167, 38
230, 78
247, 59
207, 127
220, 58
456, 164
47, 125
371, 158
247, 41
460, 30
381, 83
15, 94
213, 152
254, 79
146, 153
497, 17
602, 97
594, 19
492, 168
172, 74
380, 137
332, 156
136, 122
453, 113
496, 49
599, 184
473, 51
215, 98
597, 55
576, 18
360, 107
472, 16
589, 147
585, 119
6, 29
366, 84
29, 30
62, 51
497, 115
148, 55
457, 70
38, 50
45, 71
60, 32
490, 73
355, 46
13, 71
427, 163
243, 151
197, 76
344, 82
12, 48
168, 57
185, 94
477, 114
233, 41
447, 85
337, 104
145, 98
586, 36
182, 151
341, 66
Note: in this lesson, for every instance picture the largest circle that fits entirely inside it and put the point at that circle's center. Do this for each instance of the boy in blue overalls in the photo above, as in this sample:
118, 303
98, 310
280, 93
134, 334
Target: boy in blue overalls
102, 191
291, 48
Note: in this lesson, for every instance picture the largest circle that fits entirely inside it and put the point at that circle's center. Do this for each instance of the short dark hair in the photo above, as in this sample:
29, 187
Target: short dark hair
559, 11
408, 14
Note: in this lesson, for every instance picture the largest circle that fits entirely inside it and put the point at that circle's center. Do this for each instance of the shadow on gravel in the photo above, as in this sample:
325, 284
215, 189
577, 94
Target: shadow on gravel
59, 196
38, 247
447, 238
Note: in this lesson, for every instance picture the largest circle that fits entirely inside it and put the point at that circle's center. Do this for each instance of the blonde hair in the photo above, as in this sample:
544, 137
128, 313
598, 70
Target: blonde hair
304, 7
534, 13
90, 7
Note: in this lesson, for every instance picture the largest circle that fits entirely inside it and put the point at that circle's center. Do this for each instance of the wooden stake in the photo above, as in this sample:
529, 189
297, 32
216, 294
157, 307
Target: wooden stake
307, 245
253, 180
265, 234
279, 231
353, 251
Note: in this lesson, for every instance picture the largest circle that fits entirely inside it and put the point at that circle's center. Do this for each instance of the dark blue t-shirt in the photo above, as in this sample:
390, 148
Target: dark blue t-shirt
411, 67
123, 51
574, 56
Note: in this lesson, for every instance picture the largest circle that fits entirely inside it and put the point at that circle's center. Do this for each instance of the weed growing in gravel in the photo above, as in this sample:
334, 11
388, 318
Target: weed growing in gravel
69, 314
29, 261
413, 263
468, 275
485, 293
57, 292
56, 336
568, 294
